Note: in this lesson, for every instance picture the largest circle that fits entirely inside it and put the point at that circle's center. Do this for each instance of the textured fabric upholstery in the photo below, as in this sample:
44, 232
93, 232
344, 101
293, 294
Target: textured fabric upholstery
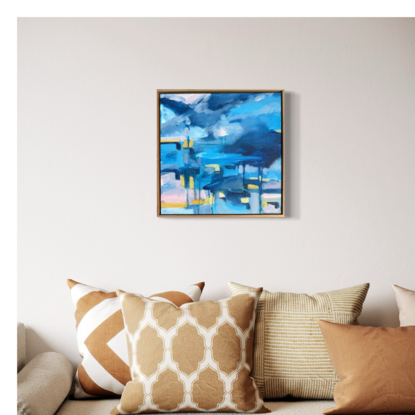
21, 347
284, 407
104, 406
43, 384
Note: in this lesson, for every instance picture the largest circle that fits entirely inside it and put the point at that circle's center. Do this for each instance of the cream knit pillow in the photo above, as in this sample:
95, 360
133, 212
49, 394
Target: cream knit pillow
290, 357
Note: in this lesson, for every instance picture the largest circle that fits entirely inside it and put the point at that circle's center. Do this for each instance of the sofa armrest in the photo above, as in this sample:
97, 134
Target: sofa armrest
43, 384
21, 347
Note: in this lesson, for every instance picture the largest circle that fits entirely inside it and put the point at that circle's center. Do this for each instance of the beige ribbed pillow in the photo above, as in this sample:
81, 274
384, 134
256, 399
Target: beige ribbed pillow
193, 358
406, 304
290, 357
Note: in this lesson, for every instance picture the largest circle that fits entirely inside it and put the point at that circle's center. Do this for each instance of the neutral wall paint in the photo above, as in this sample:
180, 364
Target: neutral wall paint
87, 208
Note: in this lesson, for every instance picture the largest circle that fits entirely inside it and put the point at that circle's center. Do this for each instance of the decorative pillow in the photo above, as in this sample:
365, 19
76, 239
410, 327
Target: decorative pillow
376, 367
406, 304
195, 358
289, 353
101, 338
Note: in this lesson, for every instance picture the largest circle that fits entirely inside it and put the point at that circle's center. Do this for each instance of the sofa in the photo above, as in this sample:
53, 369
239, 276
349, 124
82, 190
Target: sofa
44, 386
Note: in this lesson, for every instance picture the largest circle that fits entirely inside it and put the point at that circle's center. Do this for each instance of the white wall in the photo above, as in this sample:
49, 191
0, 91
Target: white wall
87, 201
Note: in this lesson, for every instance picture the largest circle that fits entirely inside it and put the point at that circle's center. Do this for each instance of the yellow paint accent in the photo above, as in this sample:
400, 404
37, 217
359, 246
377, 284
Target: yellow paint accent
253, 178
244, 199
209, 200
173, 205
266, 180
221, 194
191, 182
169, 140
182, 180
198, 202
187, 143
216, 166
264, 204
278, 131
253, 186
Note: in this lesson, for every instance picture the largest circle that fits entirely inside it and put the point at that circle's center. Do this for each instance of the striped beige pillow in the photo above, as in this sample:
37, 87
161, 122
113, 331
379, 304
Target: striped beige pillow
290, 357
101, 338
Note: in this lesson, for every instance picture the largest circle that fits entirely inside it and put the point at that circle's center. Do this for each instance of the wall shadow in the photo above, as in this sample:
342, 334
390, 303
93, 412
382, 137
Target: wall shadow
292, 155
35, 344
384, 314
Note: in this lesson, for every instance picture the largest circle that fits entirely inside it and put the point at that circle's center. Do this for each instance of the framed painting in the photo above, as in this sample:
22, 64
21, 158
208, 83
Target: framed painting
220, 153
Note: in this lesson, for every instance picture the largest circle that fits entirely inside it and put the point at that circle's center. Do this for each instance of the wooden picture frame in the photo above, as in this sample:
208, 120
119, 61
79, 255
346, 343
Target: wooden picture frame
180, 92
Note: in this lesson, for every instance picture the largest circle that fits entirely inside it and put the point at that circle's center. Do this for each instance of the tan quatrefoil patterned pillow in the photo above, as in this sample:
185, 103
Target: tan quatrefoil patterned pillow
193, 358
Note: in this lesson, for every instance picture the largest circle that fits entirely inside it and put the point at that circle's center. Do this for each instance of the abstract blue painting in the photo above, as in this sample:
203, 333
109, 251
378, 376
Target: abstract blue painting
221, 153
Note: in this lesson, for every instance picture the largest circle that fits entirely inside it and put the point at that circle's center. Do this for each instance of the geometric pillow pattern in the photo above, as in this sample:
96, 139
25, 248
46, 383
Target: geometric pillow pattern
290, 356
193, 358
101, 338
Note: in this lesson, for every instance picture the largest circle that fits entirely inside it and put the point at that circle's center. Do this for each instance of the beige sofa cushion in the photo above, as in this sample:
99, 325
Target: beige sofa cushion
104, 406
290, 357
21, 347
406, 304
43, 384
